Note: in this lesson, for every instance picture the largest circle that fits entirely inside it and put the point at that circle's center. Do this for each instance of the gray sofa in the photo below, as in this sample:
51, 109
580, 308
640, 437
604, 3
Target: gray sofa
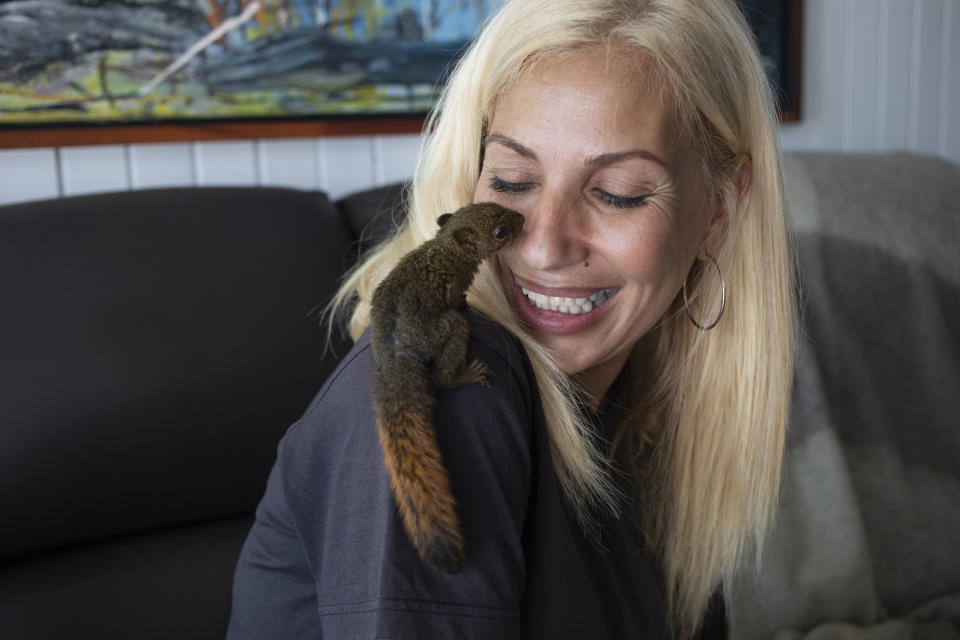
155, 345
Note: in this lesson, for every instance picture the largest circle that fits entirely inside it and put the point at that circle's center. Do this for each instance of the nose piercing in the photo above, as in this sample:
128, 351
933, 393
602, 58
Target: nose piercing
586, 264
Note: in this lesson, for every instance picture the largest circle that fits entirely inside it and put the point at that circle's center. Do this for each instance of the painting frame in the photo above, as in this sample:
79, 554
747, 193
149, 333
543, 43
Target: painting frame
169, 132
73, 72
778, 27
786, 26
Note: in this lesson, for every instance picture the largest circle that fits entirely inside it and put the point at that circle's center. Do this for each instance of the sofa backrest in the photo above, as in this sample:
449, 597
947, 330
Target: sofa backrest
154, 347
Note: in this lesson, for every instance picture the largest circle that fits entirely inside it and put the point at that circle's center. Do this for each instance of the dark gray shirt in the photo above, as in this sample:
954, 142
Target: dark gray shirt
328, 556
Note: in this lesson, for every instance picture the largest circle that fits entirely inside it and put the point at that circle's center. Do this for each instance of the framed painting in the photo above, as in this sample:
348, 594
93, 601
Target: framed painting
96, 72
149, 70
778, 27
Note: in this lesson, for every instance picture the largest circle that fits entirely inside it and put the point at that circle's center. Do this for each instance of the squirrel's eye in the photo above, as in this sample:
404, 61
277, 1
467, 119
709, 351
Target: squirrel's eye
499, 233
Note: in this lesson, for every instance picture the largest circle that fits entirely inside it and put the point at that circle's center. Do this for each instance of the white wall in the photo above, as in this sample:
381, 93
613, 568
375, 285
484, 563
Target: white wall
878, 75
335, 165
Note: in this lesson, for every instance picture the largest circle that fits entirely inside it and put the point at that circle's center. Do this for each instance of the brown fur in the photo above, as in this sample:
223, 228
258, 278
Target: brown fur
419, 341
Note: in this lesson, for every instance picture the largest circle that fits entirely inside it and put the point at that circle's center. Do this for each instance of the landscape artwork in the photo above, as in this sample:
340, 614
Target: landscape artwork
777, 25
146, 61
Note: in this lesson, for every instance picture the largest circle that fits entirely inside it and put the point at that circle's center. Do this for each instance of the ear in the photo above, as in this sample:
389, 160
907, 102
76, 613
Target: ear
442, 220
464, 237
723, 204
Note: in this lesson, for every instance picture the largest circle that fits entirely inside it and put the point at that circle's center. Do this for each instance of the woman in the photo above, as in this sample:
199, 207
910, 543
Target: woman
626, 459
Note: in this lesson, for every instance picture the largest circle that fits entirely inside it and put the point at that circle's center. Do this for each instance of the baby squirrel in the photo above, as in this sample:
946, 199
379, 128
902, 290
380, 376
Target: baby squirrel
419, 341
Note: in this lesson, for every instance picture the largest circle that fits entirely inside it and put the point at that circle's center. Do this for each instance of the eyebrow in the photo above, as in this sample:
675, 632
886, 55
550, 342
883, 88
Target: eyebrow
601, 160
611, 158
511, 144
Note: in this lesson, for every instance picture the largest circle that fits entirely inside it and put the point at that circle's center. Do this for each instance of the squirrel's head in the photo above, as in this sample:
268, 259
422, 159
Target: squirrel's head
481, 228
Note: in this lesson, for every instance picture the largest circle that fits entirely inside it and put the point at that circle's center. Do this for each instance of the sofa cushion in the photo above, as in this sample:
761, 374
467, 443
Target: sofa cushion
155, 347
171, 583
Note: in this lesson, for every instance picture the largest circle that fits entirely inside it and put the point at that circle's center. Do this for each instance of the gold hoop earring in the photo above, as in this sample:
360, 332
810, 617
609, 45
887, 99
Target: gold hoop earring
723, 299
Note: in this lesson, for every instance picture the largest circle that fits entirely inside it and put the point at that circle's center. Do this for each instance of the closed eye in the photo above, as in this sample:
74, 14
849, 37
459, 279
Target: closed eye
502, 186
622, 202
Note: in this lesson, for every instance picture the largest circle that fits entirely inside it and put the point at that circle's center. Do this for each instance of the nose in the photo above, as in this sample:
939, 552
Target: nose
553, 233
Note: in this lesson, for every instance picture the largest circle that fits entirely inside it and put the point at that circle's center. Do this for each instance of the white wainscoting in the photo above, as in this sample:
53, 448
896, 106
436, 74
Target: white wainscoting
878, 75
335, 165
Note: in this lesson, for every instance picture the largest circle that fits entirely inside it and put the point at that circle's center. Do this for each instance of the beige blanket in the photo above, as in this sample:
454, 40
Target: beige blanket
867, 542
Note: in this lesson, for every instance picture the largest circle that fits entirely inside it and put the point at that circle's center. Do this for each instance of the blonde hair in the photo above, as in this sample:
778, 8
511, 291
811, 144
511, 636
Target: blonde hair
713, 405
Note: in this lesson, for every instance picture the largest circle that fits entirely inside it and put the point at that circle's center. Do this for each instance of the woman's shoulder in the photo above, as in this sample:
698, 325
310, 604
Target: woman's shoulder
489, 341
344, 404
336, 490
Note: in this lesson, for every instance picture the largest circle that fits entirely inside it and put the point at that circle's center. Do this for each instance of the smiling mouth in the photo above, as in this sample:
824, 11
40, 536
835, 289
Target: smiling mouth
573, 306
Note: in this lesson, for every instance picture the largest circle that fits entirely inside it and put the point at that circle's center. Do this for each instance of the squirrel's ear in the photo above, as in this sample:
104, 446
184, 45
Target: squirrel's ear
442, 220
464, 237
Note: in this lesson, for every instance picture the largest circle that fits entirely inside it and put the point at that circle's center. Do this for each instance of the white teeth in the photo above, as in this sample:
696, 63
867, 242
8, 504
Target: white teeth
568, 305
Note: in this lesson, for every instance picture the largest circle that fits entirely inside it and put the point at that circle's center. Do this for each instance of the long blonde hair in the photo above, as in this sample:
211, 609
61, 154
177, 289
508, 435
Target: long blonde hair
718, 402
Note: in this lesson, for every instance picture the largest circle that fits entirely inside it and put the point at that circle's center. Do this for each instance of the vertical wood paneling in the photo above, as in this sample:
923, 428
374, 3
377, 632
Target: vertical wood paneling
862, 73
883, 27
925, 111
161, 165
799, 135
28, 174
950, 111
795, 137
320, 161
348, 165
94, 169
226, 163
895, 77
289, 163
398, 157
825, 106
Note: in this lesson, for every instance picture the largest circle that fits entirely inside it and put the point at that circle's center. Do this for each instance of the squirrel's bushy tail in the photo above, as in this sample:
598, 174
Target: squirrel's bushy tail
419, 479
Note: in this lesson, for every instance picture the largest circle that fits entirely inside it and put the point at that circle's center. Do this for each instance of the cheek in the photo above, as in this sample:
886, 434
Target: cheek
478, 192
651, 251
482, 191
503, 262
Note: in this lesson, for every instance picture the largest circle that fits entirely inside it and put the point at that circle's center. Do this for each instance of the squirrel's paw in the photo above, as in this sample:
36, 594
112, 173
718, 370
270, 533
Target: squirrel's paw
480, 372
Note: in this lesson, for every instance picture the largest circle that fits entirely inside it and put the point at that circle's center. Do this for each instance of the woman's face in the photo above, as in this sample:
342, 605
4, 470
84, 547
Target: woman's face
614, 202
